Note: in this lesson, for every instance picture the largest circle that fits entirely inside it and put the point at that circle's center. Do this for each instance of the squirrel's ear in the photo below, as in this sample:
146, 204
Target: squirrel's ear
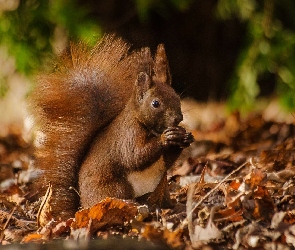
146, 60
143, 84
161, 67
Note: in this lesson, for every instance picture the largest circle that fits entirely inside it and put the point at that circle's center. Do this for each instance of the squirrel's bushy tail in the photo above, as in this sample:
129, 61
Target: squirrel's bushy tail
88, 88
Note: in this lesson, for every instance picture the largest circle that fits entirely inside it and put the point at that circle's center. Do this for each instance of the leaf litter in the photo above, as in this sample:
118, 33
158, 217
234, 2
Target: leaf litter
234, 188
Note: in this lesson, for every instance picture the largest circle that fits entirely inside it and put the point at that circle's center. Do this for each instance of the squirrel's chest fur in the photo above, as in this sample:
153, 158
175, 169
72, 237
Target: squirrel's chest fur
146, 181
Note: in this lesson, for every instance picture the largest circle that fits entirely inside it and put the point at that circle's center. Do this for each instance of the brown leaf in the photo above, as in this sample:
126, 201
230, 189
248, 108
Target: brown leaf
109, 212
264, 203
235, 184
62, 227
290, 217
34, 237
229, 214
232, 195
51, 230
81, 218
255, 178
260, 205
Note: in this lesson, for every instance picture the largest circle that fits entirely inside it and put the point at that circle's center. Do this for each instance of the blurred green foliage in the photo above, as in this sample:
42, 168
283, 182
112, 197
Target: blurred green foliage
29, 30
269, 48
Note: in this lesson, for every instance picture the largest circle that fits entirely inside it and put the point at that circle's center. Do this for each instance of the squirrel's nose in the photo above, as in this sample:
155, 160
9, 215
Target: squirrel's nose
178, 119
173, 117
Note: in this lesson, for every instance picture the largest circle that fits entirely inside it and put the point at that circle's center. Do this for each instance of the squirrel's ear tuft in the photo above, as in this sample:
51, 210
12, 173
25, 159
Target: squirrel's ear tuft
145, 60
143, 84
161, 67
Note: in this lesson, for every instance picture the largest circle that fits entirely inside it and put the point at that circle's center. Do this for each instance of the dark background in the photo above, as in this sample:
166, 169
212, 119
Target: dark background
201, 49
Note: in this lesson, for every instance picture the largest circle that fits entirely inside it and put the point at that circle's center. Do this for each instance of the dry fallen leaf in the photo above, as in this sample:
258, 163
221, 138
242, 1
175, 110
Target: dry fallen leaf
34, 237
45, 212
109, 212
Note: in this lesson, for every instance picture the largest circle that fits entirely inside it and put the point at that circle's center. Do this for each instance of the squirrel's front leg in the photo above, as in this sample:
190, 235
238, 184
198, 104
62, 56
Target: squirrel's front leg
174, 139
171, 140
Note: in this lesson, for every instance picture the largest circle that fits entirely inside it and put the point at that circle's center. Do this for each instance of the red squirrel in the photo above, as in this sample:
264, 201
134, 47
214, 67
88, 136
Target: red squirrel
108, 125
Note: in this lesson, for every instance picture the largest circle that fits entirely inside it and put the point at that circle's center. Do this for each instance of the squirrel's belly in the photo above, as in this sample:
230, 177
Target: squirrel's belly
146, 181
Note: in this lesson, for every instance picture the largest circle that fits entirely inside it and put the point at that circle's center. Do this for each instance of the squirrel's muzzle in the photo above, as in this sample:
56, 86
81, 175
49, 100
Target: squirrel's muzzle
178, 119
173, 118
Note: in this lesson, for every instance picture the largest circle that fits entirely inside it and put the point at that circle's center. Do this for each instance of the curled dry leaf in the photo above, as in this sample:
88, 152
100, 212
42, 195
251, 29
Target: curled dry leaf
255, 178
109, 212
44, 214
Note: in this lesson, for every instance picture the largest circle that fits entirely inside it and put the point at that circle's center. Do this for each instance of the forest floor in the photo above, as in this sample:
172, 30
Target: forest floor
233, 188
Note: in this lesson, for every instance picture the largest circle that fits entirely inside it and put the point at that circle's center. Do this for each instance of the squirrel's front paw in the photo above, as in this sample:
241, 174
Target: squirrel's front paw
177, 136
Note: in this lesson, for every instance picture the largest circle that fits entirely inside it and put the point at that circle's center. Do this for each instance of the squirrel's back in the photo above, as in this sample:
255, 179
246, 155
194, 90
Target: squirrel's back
86, 91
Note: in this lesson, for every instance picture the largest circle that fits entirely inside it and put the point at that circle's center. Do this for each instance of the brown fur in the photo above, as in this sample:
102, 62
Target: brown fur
78, 102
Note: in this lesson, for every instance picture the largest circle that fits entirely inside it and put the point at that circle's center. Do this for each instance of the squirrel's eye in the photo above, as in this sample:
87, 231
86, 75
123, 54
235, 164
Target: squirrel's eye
155, 103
